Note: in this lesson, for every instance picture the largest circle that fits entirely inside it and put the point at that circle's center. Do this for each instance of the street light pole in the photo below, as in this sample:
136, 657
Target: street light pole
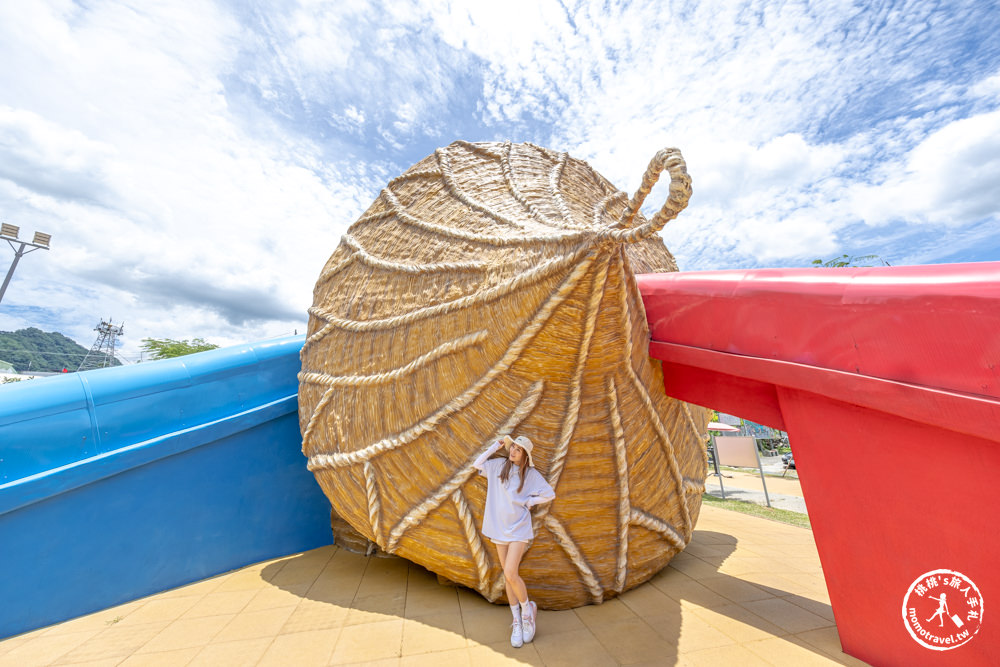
9, 234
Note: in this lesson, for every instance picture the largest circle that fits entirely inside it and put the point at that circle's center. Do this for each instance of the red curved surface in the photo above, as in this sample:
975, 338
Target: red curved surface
888, 383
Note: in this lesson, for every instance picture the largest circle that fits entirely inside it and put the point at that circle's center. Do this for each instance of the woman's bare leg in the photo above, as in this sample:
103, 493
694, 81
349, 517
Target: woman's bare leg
510, 558
502, 554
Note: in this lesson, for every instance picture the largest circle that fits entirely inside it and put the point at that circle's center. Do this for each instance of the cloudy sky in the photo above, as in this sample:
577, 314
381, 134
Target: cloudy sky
196, 163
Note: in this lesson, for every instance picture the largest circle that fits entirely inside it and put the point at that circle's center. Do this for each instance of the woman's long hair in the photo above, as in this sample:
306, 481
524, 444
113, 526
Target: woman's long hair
523, 470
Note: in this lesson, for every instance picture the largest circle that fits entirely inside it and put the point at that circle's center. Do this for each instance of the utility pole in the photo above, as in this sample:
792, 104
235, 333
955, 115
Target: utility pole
9, 234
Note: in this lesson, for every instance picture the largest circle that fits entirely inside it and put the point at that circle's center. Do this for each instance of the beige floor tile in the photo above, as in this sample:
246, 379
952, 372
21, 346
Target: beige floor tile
106, 662
334, 588
422, 600
811, 582
739, 623
724, 655
329, 549
712, 537
310, 615
772, 582
822, 609
489, 624
162, 609
632, 641
344, 562
270, 569
788, 652
470, 600
38, 632
609, 612
777, 552
666, 626
458, 657
302, 649
255, 624
202, 587
787, 616
735, 589
186, 633
174, 658
296, 576
745, 562
220, 603
274, 597
8, 645
418, 575
320, 556
114, 642
45, 649
572, 649
715, 562
828, 641
648, 600
693, 592
692, 635
97, 621
375, 608
370, 641
243, 580
703, 550
669, 575
431, 633
553, 622
242, 653
808, 563
502, 653
695, 568
383, 576
303, 570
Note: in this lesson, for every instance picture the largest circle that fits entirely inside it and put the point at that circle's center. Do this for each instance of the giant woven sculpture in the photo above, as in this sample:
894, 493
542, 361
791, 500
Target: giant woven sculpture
489, 290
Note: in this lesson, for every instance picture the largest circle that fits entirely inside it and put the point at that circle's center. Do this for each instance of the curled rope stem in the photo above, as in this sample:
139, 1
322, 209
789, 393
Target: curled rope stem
680, 192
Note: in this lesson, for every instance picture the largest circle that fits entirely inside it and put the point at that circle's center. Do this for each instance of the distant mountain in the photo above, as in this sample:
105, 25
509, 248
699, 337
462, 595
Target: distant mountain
34, 350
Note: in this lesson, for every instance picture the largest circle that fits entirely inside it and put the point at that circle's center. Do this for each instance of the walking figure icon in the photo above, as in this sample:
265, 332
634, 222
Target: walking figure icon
941, 610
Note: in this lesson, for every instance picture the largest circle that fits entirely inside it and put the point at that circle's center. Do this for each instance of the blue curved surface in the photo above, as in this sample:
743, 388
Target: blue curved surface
122, 482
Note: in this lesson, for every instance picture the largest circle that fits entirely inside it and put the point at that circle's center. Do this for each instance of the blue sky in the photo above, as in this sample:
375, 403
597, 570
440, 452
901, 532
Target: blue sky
196, 163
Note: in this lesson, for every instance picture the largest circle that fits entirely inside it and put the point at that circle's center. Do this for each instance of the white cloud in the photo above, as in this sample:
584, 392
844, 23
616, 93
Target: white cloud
156, 196
781, 109
988, 88
950, 178
48, 158
197, 163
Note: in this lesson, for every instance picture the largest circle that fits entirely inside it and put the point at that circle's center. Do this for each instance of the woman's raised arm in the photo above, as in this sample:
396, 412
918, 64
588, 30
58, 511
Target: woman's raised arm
481, 461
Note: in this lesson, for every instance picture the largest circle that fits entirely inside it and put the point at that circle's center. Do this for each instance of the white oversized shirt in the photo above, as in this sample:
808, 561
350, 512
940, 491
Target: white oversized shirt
506, 517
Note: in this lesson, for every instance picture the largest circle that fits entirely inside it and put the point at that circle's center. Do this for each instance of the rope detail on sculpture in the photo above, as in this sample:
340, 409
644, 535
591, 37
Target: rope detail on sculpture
476, 298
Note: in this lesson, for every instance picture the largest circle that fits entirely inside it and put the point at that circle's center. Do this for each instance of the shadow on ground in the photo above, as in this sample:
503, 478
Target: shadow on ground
692, 609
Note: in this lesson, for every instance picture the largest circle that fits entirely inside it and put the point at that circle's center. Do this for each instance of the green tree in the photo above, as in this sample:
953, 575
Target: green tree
850, 260
32, 350
165, 348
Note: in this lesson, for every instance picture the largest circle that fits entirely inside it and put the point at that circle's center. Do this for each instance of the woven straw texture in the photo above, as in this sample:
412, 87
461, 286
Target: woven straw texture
490, 290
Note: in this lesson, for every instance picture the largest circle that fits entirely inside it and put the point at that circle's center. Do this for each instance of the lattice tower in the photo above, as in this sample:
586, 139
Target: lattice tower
102, 352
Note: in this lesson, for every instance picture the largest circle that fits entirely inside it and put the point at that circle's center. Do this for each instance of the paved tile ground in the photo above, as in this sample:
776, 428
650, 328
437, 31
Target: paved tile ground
747, 591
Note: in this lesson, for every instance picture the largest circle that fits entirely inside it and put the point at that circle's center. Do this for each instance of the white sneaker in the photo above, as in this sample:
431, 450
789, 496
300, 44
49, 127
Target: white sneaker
528, 622
516, 637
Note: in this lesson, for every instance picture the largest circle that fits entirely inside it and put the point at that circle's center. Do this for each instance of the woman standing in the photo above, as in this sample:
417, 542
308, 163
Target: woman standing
513, 486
